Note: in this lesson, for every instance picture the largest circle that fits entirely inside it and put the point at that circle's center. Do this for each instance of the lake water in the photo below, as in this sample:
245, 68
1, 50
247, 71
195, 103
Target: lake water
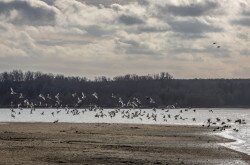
144, 116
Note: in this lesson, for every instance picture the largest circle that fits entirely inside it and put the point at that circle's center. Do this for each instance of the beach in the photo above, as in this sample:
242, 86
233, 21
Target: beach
75, 143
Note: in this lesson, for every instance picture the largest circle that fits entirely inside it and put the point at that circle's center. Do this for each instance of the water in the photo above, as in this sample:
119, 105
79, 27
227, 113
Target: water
242, 137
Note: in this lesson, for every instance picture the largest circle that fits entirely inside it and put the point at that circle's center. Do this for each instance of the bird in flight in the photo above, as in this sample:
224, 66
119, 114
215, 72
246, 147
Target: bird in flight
74, 95
95, 95
41, 96
21, 96
12, 92
83, 96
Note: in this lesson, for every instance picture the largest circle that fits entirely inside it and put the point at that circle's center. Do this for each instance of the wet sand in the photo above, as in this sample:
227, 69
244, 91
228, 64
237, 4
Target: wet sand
64, 143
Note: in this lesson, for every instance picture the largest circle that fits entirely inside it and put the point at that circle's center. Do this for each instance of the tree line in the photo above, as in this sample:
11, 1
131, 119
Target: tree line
162, 87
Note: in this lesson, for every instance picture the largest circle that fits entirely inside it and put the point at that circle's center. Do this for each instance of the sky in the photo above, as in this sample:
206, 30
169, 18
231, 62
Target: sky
187, 38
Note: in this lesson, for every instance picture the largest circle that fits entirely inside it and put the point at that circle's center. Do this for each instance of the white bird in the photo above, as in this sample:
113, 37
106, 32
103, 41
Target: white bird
74, 95
121, 102
41, 96
95, 95
19, 105
129, 103
113, 96
32, 105
137, 100
79, 100
26, 102
48, 96
21, 96
57, 102
57, 96
83, 96
134, 104
151, 101
12, 92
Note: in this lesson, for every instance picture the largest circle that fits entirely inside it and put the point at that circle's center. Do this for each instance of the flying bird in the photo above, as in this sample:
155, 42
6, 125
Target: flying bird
21, 96
42, 97
95, 95
74, 95
79, 100
12, 92
121, 102
83, 96
49, 97
113, 96
151, 100
57, 96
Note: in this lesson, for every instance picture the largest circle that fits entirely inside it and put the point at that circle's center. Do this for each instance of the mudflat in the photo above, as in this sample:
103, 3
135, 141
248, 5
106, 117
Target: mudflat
69, 143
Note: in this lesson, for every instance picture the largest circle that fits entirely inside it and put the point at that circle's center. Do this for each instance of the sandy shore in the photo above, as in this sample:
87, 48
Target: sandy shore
48, 143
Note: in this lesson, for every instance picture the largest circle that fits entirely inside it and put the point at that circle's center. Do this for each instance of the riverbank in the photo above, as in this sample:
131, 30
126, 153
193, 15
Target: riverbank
48, 143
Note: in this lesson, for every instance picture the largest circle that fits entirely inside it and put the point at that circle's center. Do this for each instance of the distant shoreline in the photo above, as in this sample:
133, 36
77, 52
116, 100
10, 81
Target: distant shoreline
130, 90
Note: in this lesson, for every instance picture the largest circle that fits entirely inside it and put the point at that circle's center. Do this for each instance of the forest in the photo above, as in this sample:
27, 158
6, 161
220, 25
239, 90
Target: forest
163, 88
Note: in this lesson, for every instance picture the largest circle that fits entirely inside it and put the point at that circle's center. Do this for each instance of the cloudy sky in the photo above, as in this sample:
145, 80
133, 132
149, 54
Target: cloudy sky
114, 37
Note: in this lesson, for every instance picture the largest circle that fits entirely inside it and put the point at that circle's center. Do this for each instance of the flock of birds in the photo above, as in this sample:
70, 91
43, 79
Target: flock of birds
127, 110
218, 46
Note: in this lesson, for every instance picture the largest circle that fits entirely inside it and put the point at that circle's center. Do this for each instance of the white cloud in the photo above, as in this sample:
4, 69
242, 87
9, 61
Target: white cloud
77, 37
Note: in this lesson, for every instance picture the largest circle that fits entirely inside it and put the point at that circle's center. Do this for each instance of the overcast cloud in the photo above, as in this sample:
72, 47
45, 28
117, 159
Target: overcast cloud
114, 37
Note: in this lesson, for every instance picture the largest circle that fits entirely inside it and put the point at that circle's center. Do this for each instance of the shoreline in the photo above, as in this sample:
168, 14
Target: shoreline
235, 140
93, 143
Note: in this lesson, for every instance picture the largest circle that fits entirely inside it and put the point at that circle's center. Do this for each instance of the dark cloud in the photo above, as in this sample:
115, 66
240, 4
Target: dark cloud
245, 52
195, 9
243, 36
132, 47
193, 27
106, 3
242, 21
57, 42
246, 13
244, 18
143, 2
189, 36
130, 19
3, 29
28, 14
151, 29
98, 31
49, 2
